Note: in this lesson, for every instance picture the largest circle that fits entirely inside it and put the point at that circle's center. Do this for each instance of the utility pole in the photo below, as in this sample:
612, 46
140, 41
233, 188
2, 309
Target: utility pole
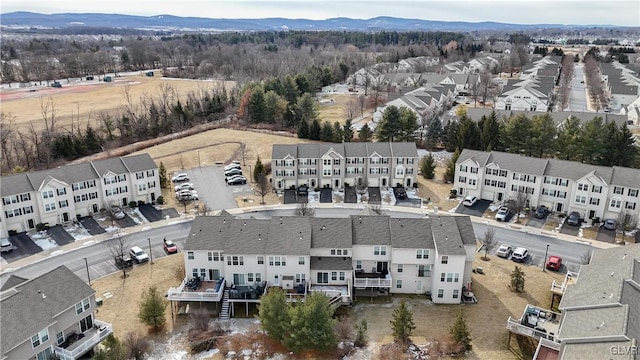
150, 253
86, 263
544, 263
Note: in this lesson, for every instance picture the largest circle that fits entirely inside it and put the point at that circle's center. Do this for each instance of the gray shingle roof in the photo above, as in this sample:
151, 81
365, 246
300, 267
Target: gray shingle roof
12, 281
587, 322
330, 232
331, 263
446, 236
411, 233
582, 351
39, 178
466, 230
115, 165
25, 312
404, 149
575, 170
139, 162
280, 151
15, 184
626, 177
80, 172
289, 235
355, 150
517, 163
383, 149
370, 230
315, 151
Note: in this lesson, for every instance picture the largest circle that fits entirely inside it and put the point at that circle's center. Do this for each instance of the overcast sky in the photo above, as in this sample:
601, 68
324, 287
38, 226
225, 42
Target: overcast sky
569, 12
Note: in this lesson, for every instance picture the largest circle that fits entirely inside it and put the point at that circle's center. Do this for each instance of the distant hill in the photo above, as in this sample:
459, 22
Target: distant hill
23, 19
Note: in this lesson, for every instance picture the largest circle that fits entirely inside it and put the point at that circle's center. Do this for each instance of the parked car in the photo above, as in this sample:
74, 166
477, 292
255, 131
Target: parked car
184, 186
469, 201
138, 255
574, 219
554, 263
6, 245
233, 165
610, 224
520, 254
123, 261
504, 251
239, 180
169, 246
401, 193
117, 212
232, 172
187, 195
180, 177
503, 213
541, 212
303, 190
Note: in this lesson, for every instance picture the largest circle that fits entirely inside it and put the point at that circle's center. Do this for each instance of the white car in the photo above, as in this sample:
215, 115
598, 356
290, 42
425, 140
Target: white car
520, 254
233, 165
6, 245
504, 251
469, 201
117, 212
187, 195
503, 213
184, 186
180, 177
138, 255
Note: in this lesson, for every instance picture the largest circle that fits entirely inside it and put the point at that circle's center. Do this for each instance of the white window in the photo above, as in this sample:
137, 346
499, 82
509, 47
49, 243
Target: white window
615, 204
618, 190
61, 191
463, 168
633, 192
398, 284
82, 306
47, 194
463, 179
63, 203
472, 182
210, 256
190, 255
45, 354
49, 207
39, 338
440, 293
583, 187
142, 187
60, 337
358, 264
300, 260
456, 293
400, 267
424, 270
449, 277
456, 277
334, 276
581, 199
596, 189
342, 275
594, 201
444, 259
422, 254
380, 250
260, 260
630, 205
300, 278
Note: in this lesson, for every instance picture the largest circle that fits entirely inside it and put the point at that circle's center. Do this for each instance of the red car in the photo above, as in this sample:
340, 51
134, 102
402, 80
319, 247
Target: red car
170, 247
554, 263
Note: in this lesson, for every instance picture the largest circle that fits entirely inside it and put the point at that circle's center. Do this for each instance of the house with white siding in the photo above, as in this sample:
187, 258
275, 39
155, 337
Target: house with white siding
62, 194
563, 186
237, 260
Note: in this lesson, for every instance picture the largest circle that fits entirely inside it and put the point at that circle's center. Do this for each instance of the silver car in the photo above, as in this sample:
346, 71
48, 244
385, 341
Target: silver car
504, 251
6, 245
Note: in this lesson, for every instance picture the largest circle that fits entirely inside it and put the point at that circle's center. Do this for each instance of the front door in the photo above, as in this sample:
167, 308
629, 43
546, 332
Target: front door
559, 207
94, 208
31, 224
336, 183
500, 195
419, 286
382, 267
384, 181
65, 217
313, 183
408, 183
153, 197
592, 214
86, 323
124, 201
276, 280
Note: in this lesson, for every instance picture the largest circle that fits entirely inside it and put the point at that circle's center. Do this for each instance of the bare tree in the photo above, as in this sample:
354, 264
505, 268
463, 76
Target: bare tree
585, 259
199, 319
349, 109
137, 346
119, 249
362, 101
627, 221
263, 186
489, 242
303, 209
377, 209
518, 203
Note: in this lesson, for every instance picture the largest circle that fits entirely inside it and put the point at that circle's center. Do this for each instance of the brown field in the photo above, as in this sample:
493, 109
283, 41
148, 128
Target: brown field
333, 112
85, 101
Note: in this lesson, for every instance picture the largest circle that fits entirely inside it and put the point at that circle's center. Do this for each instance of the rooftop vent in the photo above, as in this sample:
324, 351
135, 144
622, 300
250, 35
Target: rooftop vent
601, 325
43, 295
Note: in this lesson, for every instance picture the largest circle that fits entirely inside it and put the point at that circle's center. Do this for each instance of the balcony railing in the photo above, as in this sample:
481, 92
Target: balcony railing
364, 280
209, 294
100, 331
560, 288
514, 326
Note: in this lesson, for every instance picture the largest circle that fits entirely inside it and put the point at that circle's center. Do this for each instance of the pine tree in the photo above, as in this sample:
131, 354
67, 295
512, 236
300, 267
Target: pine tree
402, 322
389, 128
256, 106
311, 325
315, 130
428, 166
337, 132
303, 130
365, 133
347, 133
450, 173
625, 147
361, 336
112, 349
459, 331
467, 135
258, 170
517, 280
273, 313
434, 133
326, 133
152, 308
164, 180
449, 136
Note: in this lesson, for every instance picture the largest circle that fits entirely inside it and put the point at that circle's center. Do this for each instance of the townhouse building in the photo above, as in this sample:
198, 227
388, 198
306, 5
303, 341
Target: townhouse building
51, 315
347, 164
563, 186
62, 194
369, 253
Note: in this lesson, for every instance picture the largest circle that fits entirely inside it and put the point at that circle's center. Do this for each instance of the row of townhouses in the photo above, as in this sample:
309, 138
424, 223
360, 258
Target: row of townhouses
377, 164
559, 117
563, 186
423, 101
51, 316
299, 254
60, 195
622, 82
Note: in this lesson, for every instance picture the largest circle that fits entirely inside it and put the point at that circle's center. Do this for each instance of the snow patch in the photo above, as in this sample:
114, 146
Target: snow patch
57, 252
46, 243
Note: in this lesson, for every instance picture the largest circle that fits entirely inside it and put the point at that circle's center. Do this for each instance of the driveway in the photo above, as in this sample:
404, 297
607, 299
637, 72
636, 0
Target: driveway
476, 210
374, 195
92, 226
326, 195
126, 221
213, 190
605, 235
60, 235
537, 223
350, 195
290, 197
409, 202
569, 229
23, 247
152, 214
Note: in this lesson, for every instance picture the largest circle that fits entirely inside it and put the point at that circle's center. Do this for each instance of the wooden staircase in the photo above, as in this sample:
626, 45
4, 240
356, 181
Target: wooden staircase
224, 311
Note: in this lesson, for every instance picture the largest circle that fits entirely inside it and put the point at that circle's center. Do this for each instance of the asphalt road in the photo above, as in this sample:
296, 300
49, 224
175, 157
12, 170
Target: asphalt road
578, 95
100, 259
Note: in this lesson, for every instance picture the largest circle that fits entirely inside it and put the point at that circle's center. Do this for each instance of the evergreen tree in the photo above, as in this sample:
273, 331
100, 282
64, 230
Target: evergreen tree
112, 349
428, 166
449, 136
490, 132
256, 105
402, 322
626, 148
306, 109
361, 336
467, 136
326, 133
517, 280
568, 140
164, 180
304, 86
92, 141
408, 125
434, 133
592, 141
460, 332
450, 173
315, 130
337, 132
543, 134
258, 170
347, 133
274, 315
365, 133
152, 308
274, 107
610, 157
517, 135
389, 127
303, 130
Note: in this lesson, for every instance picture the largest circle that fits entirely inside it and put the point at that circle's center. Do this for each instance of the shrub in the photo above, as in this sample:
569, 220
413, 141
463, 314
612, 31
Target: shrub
133, 204
160, 200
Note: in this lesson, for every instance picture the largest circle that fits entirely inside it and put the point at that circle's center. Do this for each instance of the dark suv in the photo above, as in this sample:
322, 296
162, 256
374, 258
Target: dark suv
123, 261
303, 190
574, 219
541, 212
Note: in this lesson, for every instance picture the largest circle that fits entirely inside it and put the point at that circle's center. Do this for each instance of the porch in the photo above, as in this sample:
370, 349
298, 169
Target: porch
536, 323
364, 280
338, 294
248, 293
560, 288
211, 291
76, 345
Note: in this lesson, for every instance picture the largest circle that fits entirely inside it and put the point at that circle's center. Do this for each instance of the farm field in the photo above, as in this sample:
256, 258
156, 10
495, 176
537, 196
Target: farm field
83, 102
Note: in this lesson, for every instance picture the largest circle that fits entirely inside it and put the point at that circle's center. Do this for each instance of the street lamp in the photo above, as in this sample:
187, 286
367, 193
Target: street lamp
250, 173
86, 263
544, 263
150, 253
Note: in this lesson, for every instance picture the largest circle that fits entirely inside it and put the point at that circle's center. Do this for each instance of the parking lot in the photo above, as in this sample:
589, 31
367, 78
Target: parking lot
213, 190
